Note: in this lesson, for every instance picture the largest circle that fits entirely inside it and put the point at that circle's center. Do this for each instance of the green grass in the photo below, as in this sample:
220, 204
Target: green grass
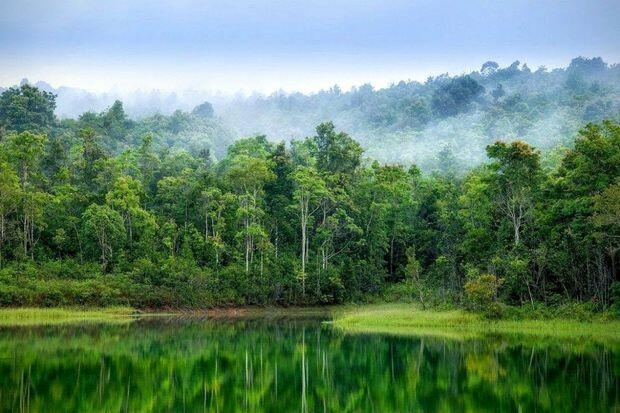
409, 319
49, 316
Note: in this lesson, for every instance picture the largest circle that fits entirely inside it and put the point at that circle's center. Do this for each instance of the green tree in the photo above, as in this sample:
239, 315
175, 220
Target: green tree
248, 176
309, 192
10, 195
455, 96
26, 108
517, 176
104, 227
25, 150
124, 197
336, 153
413, 276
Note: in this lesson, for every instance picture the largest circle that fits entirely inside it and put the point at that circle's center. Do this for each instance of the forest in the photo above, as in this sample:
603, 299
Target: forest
107, 210
406, 122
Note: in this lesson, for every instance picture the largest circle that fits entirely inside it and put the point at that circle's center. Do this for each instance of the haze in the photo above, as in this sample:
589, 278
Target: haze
288, 45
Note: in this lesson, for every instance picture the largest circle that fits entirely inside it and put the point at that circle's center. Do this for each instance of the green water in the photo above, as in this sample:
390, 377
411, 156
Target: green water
294, 365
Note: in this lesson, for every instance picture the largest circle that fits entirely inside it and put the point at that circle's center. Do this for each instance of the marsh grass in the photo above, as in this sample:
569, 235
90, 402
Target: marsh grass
409, 319
50, 316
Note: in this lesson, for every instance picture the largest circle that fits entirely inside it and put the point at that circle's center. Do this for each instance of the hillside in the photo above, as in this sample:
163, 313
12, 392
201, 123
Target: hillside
446, 118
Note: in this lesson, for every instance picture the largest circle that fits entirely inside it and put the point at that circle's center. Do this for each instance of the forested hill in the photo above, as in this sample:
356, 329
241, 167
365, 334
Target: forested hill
100, 210
446, 117
413, 122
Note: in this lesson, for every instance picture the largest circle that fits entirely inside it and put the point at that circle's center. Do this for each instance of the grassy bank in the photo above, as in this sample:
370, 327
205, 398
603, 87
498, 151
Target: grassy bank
49, 316
409, 319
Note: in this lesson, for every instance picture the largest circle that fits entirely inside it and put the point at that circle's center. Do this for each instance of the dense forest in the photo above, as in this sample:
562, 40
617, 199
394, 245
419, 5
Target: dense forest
407, 122
104, 210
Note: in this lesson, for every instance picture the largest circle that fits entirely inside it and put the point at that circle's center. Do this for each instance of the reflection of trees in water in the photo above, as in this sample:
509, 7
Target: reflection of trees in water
289, 365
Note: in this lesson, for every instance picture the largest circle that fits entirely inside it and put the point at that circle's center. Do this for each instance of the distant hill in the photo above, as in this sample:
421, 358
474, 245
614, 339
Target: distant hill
413, 122
406, 122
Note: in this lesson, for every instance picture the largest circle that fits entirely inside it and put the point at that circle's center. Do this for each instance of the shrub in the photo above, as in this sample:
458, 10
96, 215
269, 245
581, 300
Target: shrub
481, 293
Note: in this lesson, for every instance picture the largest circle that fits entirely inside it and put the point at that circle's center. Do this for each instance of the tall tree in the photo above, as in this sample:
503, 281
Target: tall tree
26, 108
249, 175
517, 177
26, 150
9, 199
104, 226
310, 190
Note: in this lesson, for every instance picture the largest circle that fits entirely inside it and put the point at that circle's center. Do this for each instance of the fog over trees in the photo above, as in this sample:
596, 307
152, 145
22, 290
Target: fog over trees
407, 122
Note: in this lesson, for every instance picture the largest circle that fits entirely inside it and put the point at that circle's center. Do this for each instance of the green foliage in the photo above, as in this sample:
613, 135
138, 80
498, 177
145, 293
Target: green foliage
26, 108
309, 223
481, 295
103, 228
456, 96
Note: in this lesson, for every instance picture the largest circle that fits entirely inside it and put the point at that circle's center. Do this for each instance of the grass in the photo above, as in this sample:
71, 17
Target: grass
51, 316
409, 319
33, 316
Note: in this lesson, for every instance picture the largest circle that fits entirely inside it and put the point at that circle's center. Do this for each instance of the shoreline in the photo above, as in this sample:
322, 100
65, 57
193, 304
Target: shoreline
410, 320
39, 316
401, 319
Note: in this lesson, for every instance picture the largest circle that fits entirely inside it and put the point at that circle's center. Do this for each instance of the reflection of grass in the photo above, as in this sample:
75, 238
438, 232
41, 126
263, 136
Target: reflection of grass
408, 319
48, 316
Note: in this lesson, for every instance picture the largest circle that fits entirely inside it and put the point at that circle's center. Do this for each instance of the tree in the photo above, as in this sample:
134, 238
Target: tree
124, 197
309, 192
9, 199
104, 226
26, 108
517, 176
455, 96
115, 121
581, 258
448, 164
91, 164
585, 66
488, 68
389, 202
214, 203
279, 193
336, 153
204, 110
482, 294
413, 269
249, 175
25, 151
177, 195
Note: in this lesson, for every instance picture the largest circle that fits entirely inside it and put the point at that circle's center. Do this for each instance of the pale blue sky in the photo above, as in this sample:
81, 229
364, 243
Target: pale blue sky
294, 45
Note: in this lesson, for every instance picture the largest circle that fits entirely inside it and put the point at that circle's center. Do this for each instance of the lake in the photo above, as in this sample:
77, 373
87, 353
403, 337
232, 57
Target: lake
294, 364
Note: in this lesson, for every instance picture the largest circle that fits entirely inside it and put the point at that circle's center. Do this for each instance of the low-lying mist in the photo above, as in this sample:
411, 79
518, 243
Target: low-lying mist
408, 122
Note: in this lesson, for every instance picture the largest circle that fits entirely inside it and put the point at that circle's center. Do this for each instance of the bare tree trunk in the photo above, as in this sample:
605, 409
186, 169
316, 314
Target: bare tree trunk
304, 224
1, 237
79, 240
392, 256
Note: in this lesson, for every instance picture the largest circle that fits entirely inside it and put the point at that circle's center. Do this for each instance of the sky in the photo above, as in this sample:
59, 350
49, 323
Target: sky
258, 45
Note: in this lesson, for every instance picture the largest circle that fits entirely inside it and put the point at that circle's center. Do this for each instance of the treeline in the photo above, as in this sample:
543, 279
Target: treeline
410, 122
406, 122
307, 223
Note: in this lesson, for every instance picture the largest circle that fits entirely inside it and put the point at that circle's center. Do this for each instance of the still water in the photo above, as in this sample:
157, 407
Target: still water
294, 364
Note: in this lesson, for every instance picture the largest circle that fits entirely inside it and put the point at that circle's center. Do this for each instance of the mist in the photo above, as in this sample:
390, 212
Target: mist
407, 122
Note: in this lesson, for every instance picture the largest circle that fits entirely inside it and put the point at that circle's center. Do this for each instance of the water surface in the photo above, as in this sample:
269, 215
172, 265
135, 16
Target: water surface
294, 364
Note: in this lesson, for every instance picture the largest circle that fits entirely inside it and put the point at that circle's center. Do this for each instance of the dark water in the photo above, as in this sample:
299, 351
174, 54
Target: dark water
294, 365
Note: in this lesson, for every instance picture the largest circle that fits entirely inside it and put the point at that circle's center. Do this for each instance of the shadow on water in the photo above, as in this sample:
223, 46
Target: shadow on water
288, 364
